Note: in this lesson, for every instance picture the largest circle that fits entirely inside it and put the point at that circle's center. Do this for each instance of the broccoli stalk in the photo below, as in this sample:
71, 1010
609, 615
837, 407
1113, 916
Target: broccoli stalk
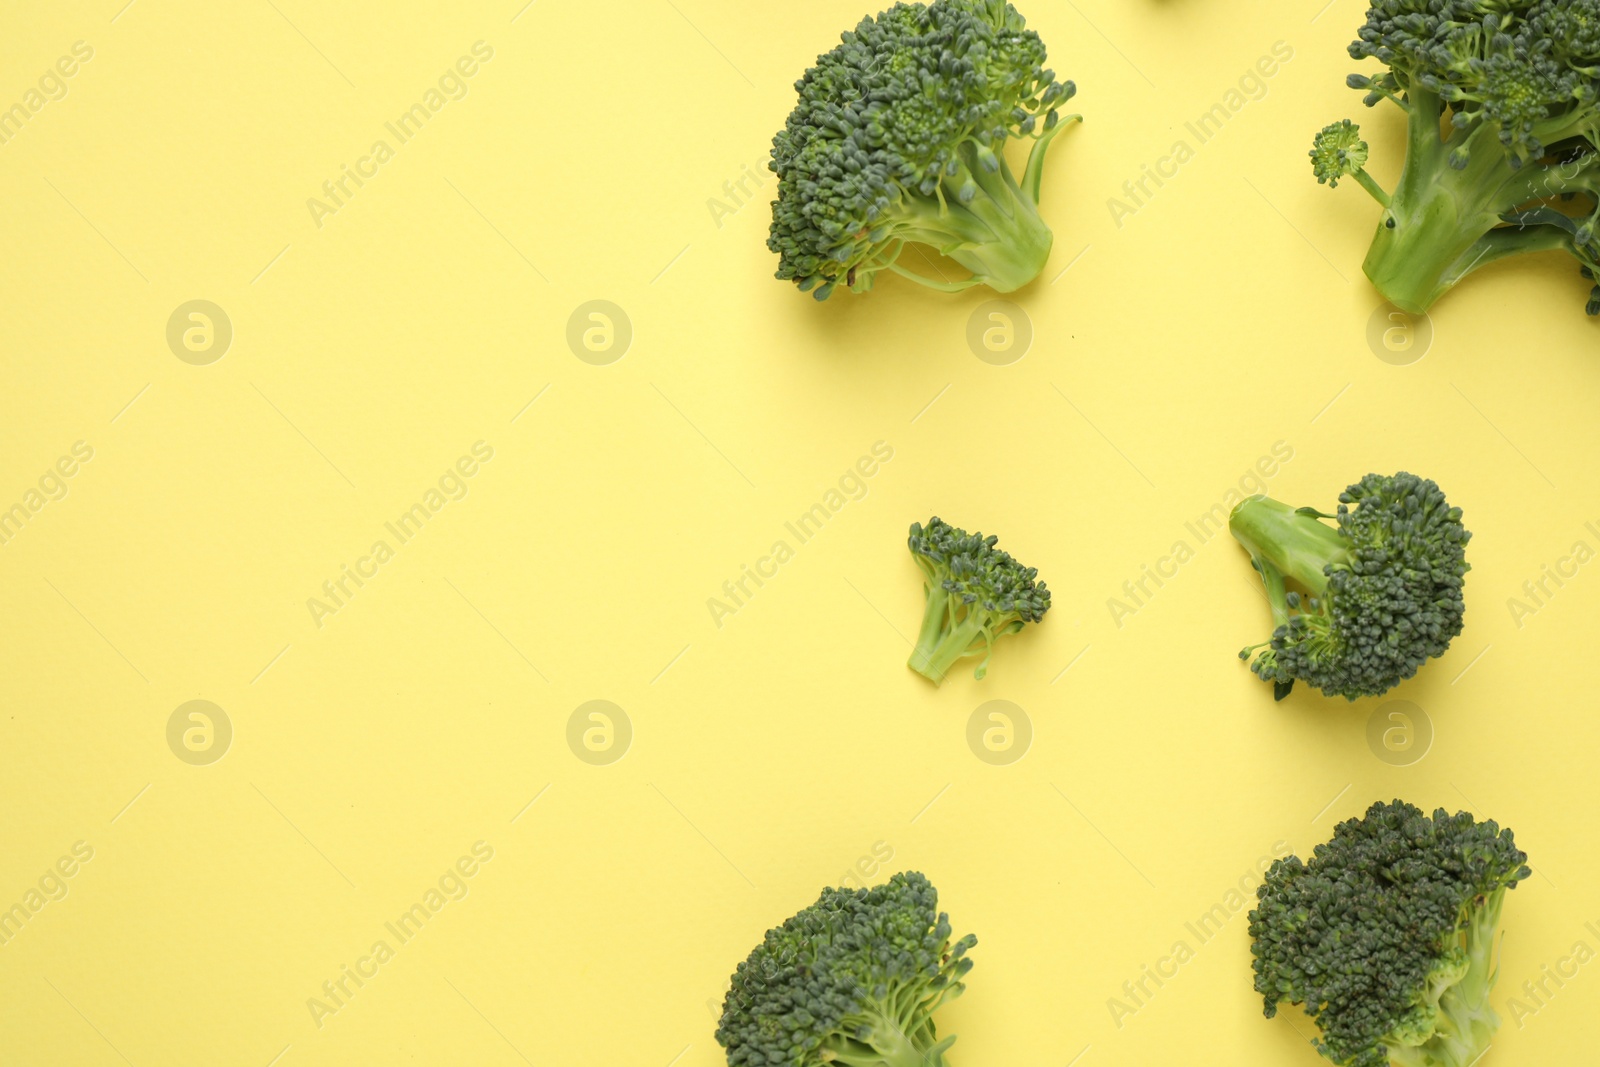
1456, 1024
1444, 222
979, 216
1502, 127
852, 980
890, 1033
943, 640
975, 593
1387, 936
1377, 595
1283, 543
1286, 542
898, 138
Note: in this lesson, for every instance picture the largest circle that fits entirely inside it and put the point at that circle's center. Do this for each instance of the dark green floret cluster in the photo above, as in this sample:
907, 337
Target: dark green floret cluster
852, 980
1378, 594
1387, 936
897, 139
1502, 103
975, 593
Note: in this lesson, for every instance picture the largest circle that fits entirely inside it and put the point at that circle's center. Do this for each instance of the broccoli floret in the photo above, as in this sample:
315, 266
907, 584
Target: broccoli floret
1339, 152
975, 593
853, 980
1502, 103
1379, 594
898, 138
1387, 936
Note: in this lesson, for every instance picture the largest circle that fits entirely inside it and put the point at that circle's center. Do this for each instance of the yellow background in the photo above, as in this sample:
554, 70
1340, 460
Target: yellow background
771, 754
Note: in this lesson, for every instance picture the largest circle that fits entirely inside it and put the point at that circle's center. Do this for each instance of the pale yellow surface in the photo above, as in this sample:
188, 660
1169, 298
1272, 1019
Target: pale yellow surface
770, 754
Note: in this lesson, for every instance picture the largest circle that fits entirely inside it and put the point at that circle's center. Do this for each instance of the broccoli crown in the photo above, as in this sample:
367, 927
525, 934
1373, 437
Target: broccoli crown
975, 593
1527, 68
1337, 152
971, 568
1385, 586
854, 979
1503, 153
906, 114
1387, 935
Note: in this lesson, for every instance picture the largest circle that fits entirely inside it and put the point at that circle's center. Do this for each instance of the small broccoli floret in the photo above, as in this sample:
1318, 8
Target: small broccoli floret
1379, 594
1502, 103
898, 138
1339, 152
1387, 936
853, 980
975, 593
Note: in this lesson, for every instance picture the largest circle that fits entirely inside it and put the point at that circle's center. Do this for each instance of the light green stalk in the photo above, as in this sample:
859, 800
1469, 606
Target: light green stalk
1441, 224
1466, 1023
997, 233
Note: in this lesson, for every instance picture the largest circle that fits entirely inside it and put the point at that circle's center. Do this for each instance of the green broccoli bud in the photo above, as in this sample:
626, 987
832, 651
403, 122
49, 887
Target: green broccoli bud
853, 980
975, 593
897, 139
1379, 593
1501, 109
1339, 152
1386, 937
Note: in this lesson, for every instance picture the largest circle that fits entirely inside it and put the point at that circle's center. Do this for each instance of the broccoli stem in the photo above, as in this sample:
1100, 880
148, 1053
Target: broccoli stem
1370, 184
1437, 213
943, 639
997, 233
941, 286
1033, 172
1016, 253
1277, 594
1510, 241
901, 1055
1470, 996
1467, 1023
886, 1042
1443, 223
1286, 544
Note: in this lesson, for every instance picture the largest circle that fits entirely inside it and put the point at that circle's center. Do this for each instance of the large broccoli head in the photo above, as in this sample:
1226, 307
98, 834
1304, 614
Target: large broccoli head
1387, 936
974, 594
1382, 588
1503, 129
897, 138
852, 980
